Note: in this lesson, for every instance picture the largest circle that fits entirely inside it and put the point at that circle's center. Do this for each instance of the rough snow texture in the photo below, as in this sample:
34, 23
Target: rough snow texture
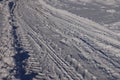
6, 49
60, 40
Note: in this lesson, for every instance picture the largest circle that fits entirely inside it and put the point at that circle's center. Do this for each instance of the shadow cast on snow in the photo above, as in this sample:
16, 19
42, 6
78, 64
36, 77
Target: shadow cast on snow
20, 59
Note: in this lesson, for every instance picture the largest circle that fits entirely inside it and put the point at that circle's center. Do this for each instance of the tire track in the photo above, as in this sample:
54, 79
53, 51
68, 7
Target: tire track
62, 63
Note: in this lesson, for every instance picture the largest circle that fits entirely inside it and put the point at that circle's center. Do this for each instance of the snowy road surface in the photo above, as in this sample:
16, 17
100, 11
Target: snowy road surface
59, 40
